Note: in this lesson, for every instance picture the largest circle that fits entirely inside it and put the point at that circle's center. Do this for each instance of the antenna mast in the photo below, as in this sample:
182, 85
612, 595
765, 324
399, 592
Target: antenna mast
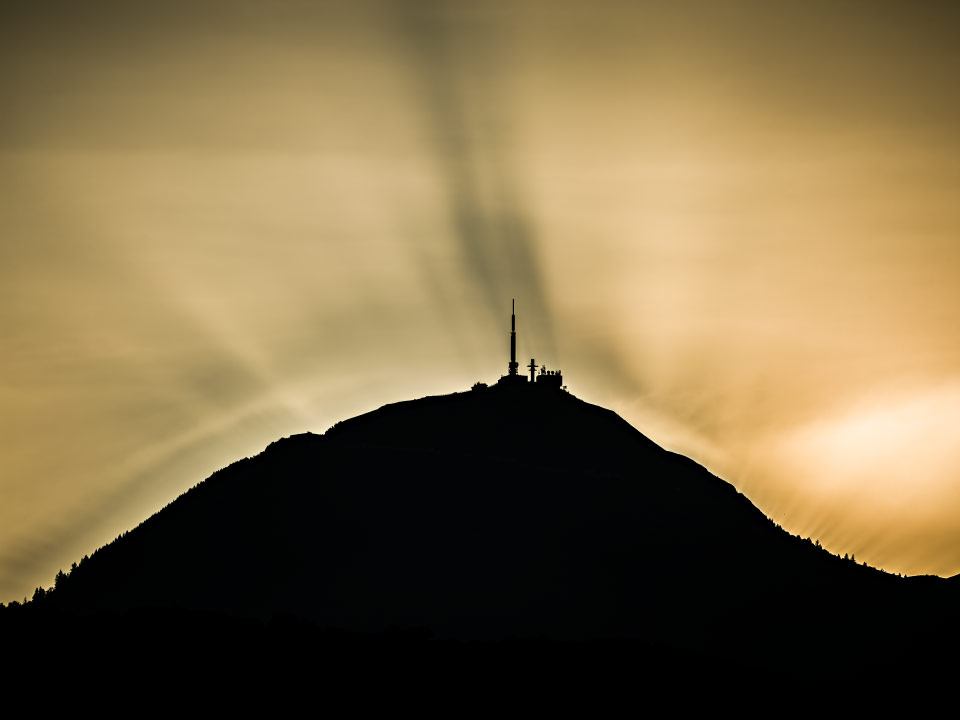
512, 368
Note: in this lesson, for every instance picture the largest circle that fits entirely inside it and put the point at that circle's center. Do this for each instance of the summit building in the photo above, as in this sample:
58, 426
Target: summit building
545, 378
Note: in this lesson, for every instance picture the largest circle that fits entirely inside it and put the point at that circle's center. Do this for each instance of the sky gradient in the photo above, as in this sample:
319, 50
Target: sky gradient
736, 224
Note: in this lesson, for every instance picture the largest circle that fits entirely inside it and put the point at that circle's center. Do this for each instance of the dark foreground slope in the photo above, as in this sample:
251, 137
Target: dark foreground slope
505, 514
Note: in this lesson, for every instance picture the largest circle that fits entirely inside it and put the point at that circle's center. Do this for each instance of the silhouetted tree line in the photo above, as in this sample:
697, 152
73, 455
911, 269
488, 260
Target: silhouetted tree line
851, 557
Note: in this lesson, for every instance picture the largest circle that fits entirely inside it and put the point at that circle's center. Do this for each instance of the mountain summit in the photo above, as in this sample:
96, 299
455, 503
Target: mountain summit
515, 511
510, 511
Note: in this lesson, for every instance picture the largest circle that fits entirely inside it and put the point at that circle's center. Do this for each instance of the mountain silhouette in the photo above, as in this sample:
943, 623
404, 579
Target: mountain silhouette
507, 514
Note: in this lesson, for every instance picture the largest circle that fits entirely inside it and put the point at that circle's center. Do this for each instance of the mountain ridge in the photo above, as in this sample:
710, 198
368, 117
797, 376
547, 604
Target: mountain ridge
496, 513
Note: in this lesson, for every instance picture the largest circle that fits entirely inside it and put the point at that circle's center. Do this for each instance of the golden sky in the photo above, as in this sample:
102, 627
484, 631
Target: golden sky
735, 223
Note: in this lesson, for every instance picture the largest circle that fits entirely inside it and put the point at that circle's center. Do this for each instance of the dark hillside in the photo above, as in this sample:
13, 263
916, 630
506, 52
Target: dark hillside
498, 513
